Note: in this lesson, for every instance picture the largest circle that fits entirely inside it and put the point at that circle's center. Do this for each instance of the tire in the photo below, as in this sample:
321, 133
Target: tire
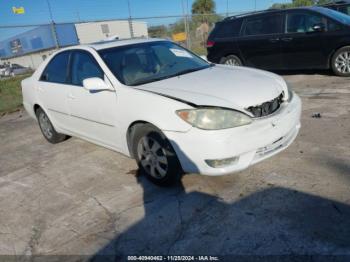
47, 128
341, 62
232, 60
155, 156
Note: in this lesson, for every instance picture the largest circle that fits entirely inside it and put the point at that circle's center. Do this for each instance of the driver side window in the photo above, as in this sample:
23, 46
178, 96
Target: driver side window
84, 66
303, 22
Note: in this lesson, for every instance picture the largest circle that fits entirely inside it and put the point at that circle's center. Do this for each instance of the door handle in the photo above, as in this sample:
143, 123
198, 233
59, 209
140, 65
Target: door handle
273, 40
70, 96
287, 39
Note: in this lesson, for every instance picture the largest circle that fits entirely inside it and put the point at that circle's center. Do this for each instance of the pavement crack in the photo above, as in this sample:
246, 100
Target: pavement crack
106, 210
33, 242
111, 216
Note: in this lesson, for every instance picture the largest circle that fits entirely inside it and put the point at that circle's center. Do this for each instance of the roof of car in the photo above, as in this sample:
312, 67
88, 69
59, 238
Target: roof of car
114, 43
337, 3
269, 11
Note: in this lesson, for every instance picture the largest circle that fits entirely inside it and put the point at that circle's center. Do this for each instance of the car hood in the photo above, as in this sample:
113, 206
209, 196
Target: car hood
221, 86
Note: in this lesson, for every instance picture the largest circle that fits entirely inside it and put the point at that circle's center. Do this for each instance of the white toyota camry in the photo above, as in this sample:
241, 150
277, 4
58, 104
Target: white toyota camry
157, 102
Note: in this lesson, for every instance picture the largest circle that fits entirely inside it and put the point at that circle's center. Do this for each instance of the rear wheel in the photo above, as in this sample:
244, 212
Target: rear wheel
155, 156
341, 62
231, 60
47, 128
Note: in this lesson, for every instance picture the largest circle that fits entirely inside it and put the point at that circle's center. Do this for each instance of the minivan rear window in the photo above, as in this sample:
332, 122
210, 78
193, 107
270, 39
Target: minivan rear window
227, 29
263, 25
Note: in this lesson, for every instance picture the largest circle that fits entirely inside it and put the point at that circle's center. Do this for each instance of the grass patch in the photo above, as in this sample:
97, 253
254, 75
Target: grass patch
11, 94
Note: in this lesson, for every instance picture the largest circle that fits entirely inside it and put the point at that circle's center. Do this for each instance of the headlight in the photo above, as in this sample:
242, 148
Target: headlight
214, 118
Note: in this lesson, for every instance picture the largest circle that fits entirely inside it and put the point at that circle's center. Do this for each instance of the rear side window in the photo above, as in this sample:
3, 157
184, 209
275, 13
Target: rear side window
333, 26
228, 29
263, 25
84, 66
303, 22
57, 69
344, 9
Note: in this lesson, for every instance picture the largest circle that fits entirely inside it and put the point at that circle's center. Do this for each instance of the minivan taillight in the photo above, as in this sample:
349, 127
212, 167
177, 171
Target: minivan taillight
210, 43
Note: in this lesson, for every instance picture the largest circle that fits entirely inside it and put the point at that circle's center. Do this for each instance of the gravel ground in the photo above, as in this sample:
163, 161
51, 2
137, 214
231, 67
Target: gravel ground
76, 198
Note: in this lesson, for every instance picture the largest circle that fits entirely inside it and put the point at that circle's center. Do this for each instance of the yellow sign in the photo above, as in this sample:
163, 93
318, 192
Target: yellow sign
18, 10
180, 37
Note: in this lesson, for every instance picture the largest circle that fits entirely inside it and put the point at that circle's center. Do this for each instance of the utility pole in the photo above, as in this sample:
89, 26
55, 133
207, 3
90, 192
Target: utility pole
185, 22
50, 11
53, 26
226, 8
130, 21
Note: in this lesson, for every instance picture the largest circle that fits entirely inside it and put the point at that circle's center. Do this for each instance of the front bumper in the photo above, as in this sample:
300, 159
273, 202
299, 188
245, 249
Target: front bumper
253, 143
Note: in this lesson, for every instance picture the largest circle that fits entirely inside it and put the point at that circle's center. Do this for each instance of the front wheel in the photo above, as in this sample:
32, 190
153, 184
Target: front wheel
341, 62
231, 60
155, 156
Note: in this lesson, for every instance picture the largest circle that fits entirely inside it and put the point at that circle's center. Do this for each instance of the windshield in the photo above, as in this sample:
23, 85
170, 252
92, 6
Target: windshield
148, 62
338, 16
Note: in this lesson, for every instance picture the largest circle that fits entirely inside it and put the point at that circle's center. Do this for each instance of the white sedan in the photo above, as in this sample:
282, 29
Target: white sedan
157, 102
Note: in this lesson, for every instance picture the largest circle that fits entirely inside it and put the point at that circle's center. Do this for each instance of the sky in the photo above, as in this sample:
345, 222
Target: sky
37, 11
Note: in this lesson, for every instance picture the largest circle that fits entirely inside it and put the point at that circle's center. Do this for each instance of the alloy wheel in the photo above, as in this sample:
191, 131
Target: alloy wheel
342, 62
45, 125
152, 157
232, 62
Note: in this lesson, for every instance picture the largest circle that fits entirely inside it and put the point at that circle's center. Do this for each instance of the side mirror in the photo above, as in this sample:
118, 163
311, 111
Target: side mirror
319, 27
95, 84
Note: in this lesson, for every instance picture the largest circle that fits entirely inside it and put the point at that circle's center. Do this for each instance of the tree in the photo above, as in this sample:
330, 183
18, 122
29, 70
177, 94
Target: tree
178, 26
203, 7
202, 11
158, 31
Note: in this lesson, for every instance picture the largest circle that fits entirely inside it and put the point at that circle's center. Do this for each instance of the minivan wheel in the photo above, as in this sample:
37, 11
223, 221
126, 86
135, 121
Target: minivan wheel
341, 62
231, 60
155, 156
47, 128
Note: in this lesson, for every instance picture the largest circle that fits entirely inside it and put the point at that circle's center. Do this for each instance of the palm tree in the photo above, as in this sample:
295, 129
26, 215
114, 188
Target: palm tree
203, 8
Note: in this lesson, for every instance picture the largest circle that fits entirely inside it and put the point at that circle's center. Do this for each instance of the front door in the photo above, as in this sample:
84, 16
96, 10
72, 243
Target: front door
92, 113
302, 46
259, 42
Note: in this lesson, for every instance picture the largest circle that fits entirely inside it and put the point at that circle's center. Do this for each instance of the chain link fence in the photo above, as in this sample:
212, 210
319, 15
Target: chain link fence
189, 30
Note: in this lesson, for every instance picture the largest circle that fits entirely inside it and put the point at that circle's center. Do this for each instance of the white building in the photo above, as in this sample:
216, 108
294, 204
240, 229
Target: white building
98, 31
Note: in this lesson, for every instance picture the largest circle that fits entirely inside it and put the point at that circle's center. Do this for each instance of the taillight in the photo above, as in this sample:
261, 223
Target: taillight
210, 43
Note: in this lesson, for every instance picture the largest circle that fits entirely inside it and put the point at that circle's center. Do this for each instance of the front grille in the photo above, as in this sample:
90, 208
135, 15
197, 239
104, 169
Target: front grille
266, 108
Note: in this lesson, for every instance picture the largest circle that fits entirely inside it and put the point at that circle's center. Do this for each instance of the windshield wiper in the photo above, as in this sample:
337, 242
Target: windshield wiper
146, 81
186, 71
190, 70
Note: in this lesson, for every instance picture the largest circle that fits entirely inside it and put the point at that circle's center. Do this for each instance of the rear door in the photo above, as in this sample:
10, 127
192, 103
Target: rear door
259, 42
222, 41
92, 113
302, 46
53, 88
